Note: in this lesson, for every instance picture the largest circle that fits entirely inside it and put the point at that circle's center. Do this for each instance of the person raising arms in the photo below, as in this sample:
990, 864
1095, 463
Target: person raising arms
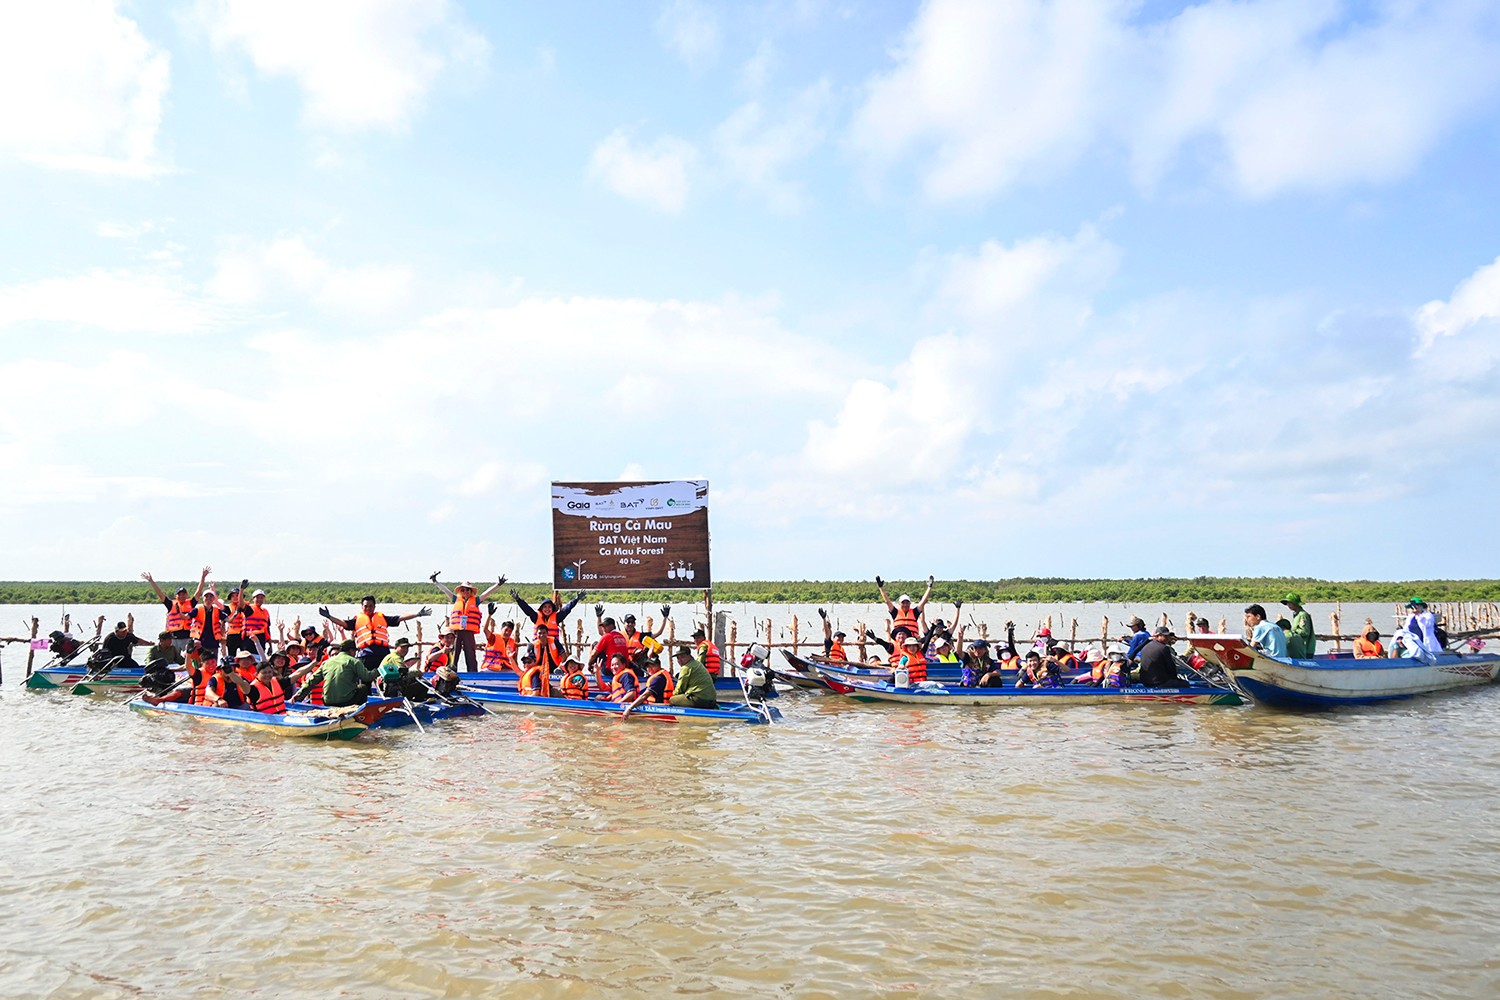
463, 617
372, 628
905, 614
179, 607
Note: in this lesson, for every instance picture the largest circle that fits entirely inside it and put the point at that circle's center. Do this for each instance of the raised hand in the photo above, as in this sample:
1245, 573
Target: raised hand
957, 606
515, 594
666, 609
207, 570
491, 608
502, 580
583, 595
931, 580
599, 611
880, 583
434, 575
822, 614
424, 612
323, 610
147, 578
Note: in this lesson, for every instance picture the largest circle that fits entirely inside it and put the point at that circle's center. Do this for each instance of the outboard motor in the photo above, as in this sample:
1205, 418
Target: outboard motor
755, 677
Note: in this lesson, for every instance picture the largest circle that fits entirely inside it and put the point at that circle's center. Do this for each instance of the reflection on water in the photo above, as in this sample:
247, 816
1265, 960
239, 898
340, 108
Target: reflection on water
854, 851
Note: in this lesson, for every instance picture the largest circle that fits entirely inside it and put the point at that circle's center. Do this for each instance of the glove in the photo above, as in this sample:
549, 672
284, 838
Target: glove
879, 582
424, 612
666, 610
599, 611
244, 585
822, 614
515, 594
491, 608
956, 605
931, 580
323, 610
434, 575
583, 595
502, 580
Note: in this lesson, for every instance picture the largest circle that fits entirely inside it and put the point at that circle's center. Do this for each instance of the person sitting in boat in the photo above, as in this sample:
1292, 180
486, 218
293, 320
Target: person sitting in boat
269, 692
159, 677
1157, 664
1423, 626
574, 683
1262, 635
657, 687
499, 647
612, 645
942, 650
1300, 640
536, 678
694, 684
346, 680
1137, 639
1368, 645
895, 648
833, 642
976, 665
118, 649
1029, 669
904, 613
624, 683
225, 688
913, 660
1112, 670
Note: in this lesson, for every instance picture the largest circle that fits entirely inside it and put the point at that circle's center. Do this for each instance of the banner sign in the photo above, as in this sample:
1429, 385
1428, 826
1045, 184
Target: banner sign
630, 536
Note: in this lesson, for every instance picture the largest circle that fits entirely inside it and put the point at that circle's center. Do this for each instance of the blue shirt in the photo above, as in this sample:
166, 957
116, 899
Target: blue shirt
1137, 643
1269, 639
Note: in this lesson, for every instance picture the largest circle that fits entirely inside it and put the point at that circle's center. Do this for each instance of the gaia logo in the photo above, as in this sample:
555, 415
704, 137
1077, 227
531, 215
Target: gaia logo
568, 572
656, 501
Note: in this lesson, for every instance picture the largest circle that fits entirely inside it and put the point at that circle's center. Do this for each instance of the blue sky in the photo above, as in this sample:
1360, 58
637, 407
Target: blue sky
334, 289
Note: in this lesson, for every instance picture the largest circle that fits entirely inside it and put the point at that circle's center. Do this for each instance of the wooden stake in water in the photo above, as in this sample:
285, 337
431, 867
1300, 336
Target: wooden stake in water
1336, 619
31, 652
794, 635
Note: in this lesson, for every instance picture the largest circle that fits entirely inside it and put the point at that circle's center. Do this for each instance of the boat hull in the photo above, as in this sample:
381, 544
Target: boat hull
730, 714
1333, 680
50, 678
331, 724
505, 680
1068, 694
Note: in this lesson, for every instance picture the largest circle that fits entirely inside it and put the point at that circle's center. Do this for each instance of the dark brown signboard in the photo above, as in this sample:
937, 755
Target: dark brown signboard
630, 536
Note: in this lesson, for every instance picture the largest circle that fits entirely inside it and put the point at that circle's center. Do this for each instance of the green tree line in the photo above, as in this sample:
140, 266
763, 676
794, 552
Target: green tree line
1015, 590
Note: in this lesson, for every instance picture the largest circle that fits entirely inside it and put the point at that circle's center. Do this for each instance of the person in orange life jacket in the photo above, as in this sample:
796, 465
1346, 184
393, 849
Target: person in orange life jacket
575, 683
536, 678
657, 687
707, 652
1368, 644
208, 624
499, 648
833, 642
234, 622
245, 666
905, 614
180, 607
314, 645
225, 688
463, 617
440, 655
913, 661
371, 629
637, 645
270, 691
256, 632
895, 648
624, 683
1030, 671
612, 643
550, 615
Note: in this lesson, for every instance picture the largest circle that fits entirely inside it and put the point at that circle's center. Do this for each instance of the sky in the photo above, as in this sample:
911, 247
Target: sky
334, 289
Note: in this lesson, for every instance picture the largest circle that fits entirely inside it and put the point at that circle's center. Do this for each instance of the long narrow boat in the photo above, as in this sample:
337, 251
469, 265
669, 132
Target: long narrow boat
1338, 678
727, 713
394, 714
328, 723
803, 672
933, 693
506, 680
947, 673
48, 678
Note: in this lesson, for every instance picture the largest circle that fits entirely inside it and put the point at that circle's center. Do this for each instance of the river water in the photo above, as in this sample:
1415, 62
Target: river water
852, 851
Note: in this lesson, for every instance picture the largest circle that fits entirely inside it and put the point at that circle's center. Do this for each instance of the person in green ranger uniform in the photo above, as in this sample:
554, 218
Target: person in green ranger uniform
1300, 641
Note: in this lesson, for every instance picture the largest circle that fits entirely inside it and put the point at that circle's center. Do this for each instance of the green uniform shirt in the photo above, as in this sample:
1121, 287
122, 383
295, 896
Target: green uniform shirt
1300, 642
342, 675
170, 654
695, 683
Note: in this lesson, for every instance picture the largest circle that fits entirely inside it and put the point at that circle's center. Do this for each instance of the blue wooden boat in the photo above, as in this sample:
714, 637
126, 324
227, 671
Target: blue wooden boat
395, 714
506, 680
1330, 680
123, 680
726, 713
327, 723
867, 689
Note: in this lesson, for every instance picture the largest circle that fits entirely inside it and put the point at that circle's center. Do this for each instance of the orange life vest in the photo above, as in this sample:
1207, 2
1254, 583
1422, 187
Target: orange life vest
666, 694
371, 630
272, 700
619, 690
499, 654
1365, 649
907, 620
249, 673
438, 659
177, 614
710, 654
465, 615
236, 623
537, 680
575, 685
199, 623
217, 689
200, 684
257, 622
836, 652
548, 619
916, 667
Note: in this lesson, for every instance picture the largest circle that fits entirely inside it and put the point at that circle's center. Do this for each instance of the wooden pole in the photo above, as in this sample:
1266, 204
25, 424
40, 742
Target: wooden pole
794, 635
859, 632
1104, 635
1335, 619
1073, 636
734, 633
31, 653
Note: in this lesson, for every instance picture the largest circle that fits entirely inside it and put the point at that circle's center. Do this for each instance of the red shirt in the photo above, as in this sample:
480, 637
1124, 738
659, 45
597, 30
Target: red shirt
610, 644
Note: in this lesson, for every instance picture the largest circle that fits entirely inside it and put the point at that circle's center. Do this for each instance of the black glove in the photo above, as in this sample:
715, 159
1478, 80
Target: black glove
515, 594
434, 575
931, 580
244, 585
583, 595
822, 614
956, 605
324, 611
491, 608
599, 611
424, 612
880, 583
502, 580
666, 610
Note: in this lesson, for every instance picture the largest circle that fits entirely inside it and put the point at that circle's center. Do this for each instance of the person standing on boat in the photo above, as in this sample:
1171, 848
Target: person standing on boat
1423, 626
179, 607
463, 618
905, 614
256, 635
1264, 635
547, 615
1158, 664
371, 628
1300, 640
208, 624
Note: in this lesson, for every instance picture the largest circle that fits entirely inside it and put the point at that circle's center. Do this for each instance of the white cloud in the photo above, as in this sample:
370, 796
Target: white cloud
654, 175
755, 146
254, 272
361, 65
1288, 94
691, 30
111, 301
84, 88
